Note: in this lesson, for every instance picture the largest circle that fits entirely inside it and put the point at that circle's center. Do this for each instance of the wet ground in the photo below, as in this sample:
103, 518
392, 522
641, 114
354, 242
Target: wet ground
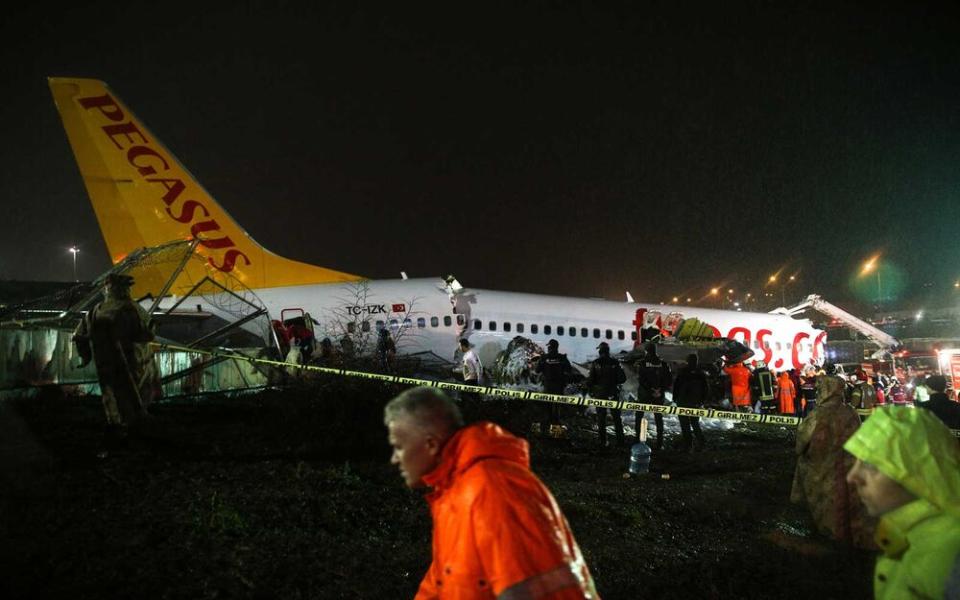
289, 494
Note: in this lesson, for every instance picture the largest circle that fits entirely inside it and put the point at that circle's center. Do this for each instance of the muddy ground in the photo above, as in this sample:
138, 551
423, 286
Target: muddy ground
289, 494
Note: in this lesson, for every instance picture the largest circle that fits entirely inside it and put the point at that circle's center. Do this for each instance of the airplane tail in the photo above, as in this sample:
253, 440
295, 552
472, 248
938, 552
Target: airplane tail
143, 196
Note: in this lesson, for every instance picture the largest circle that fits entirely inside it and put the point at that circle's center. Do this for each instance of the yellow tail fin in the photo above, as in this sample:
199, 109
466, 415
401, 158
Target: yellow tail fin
143, 196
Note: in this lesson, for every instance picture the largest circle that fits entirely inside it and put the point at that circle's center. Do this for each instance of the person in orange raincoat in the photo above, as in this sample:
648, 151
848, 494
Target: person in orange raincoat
786, 394
497, 530
739, 385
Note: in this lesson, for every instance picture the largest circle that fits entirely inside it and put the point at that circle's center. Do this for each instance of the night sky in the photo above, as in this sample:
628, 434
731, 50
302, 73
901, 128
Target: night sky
649, 147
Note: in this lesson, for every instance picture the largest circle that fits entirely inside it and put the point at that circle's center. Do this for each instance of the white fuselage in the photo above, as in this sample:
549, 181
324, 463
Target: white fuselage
424, 317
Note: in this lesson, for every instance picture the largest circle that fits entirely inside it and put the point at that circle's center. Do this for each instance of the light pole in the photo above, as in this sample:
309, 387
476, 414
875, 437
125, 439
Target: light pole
74, 251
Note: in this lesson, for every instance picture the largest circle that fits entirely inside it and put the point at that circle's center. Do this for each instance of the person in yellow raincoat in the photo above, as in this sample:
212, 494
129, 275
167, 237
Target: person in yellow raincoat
907, 473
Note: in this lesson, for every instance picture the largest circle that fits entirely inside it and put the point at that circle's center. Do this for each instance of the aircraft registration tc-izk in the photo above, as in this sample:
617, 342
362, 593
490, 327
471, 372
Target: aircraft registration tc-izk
144, 197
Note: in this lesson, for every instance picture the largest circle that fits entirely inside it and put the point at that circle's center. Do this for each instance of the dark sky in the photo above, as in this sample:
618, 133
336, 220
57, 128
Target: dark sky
649, 147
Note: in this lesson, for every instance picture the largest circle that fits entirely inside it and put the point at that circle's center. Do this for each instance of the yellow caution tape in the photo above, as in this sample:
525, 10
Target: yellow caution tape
520, 394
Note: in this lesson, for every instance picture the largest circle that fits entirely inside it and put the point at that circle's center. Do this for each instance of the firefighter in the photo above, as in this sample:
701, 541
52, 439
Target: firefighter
907, 473
603, 382
115, 336
498, 532
653, 380
739, 376
863, 395
761, 385
555, 370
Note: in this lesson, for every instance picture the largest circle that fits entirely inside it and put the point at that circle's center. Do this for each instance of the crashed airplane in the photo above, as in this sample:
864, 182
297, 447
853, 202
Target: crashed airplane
143, 197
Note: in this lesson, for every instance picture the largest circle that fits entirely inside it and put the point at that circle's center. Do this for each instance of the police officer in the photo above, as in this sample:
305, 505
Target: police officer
691, 390
386, 351
603, 382
554, 369
653, 379
114, 335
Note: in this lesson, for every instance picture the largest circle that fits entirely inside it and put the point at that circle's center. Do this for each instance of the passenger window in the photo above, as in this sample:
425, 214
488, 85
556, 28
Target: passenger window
461, 320
421, 322
596, 333
519, 327
608, 334
447, 320
380, 325
756, 343
584, 332
506, 326
393, 323
493, 325
778, 345
789, 346
434, 322
534, 328
406, 322
620, 335
633, 335
766, 345
365, 326
546, 330
559, 329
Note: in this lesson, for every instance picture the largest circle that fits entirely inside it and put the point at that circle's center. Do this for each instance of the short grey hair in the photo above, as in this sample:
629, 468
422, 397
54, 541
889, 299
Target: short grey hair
429, 407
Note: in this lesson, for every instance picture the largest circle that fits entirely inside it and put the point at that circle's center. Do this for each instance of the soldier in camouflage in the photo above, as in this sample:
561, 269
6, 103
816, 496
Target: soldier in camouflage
114, 335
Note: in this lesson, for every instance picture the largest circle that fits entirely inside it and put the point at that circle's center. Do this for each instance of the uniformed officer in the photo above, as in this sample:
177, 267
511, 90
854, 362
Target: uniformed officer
554, 369
653, 379
603, 382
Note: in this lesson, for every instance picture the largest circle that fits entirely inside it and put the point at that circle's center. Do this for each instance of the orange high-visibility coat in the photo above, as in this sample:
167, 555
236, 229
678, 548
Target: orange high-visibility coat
786, 394
496, 527
739, 383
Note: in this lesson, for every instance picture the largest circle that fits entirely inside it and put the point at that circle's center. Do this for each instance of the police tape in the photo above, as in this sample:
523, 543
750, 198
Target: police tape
680, 411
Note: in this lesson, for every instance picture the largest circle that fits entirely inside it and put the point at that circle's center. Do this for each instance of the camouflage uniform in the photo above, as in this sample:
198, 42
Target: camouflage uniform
822, 466
114, 335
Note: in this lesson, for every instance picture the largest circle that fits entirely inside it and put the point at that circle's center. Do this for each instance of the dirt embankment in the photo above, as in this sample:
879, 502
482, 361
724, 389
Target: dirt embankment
290, 494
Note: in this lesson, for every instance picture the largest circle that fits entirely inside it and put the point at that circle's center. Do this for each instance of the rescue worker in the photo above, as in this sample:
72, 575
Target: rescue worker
497, 530
327, 353
386, 351
739, 376
863, 395
654, 378
761, 385
554, 369
114, 335
808, 393
786, 394
472, 369
691, 390
939, 404
818, 480
603, 382
907, 473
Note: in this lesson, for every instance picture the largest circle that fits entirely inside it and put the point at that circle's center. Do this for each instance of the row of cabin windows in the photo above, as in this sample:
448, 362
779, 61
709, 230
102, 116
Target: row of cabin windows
534, 329
395, 323
559, 331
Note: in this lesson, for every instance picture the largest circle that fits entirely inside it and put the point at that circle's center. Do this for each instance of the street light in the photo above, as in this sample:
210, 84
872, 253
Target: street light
74, 251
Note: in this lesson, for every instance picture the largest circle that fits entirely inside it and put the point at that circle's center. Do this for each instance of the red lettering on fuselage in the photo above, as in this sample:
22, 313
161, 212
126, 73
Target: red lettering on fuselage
148, 162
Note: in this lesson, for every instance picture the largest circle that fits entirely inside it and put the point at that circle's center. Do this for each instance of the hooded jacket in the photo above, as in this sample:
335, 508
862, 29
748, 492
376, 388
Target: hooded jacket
497, 530
820, 480
921, 539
